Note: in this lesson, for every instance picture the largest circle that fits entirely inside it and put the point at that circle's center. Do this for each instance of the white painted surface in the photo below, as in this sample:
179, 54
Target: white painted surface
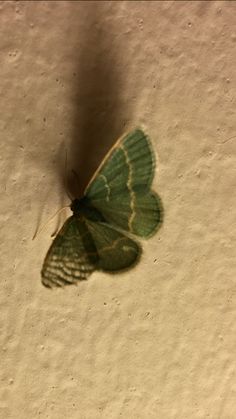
157, 342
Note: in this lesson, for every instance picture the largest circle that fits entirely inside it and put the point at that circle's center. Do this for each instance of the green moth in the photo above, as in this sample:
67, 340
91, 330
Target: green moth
117, 205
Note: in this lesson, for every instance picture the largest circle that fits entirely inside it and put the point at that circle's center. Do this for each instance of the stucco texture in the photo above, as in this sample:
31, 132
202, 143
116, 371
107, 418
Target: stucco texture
158, 341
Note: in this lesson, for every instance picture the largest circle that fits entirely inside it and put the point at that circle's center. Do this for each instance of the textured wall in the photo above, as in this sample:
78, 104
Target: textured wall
157, 342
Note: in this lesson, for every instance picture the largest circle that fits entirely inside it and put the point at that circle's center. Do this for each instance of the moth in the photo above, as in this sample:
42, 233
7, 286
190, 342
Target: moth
118, 204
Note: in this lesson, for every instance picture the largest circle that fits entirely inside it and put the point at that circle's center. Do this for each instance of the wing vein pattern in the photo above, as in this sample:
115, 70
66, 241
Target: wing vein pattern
128, 172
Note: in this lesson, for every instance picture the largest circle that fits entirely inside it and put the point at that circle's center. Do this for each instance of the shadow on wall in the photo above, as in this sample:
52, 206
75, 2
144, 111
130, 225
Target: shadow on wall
98, 104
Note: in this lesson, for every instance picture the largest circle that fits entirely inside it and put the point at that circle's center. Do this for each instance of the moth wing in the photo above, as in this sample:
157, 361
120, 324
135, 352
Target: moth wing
136, 213
129, 163
120, 188
72, 256
115, 250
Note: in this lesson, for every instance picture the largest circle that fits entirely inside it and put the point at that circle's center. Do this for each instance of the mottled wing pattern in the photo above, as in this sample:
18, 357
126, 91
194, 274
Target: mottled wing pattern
72, 255
120, 188
115, 250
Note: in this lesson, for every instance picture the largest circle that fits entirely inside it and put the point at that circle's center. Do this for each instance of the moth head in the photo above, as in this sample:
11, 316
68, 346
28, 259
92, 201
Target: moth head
75, 206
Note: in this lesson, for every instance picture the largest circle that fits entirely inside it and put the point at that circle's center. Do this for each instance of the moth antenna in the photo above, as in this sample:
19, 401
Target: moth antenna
39, 230
66, 178
75, 175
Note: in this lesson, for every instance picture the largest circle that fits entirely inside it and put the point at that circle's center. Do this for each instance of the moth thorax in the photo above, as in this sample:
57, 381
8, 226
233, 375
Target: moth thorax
79, 205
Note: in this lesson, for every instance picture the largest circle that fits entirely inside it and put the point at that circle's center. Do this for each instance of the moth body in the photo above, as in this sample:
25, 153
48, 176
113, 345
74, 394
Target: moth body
83, 208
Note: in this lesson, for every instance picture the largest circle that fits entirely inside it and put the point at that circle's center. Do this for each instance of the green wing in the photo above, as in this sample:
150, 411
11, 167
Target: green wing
115, 250
72, 255
83, 246
120, 188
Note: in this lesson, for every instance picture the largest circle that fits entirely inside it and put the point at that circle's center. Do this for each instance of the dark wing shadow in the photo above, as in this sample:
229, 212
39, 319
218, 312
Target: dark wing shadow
98, 115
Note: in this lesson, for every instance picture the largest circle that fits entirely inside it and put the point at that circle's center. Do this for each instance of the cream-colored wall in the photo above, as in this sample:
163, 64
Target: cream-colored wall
157, 342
